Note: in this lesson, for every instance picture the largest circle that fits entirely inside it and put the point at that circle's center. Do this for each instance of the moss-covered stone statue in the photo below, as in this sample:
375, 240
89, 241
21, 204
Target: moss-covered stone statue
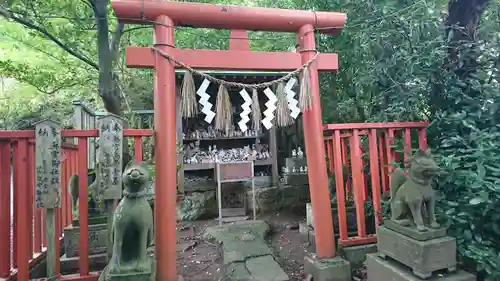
94, 203
409, 197
132, 230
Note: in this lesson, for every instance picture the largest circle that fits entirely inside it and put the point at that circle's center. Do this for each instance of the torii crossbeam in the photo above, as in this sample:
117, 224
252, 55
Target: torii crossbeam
165, 15
138, 57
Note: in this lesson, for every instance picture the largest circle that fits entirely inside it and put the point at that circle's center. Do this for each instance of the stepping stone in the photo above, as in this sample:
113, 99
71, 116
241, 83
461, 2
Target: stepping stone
245, 251
265, 269
238, 272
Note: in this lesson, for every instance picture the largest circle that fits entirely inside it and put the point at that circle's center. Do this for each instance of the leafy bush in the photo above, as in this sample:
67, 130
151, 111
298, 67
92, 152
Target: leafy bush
470, 185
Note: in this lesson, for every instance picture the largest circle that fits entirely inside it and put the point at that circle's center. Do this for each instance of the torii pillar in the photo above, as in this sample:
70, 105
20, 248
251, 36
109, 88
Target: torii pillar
165, 15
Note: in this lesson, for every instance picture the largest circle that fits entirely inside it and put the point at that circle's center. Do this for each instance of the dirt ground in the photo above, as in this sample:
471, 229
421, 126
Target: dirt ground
199, 260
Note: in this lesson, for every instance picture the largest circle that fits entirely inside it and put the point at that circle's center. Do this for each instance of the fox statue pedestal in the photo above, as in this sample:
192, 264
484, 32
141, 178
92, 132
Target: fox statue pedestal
98, 236
413, 245
423, 257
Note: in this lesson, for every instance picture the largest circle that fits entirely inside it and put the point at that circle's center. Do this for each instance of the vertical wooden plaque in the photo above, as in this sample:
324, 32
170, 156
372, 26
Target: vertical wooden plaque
109, 175
48, 164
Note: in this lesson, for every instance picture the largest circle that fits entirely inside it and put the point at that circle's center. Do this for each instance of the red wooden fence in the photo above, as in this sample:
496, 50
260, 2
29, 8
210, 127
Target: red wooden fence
26, 225
344, 148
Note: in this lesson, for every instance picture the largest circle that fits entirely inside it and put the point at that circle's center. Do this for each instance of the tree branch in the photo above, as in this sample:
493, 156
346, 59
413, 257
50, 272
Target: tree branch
42, 51
68, 86
136, 28
90, 4
7, 14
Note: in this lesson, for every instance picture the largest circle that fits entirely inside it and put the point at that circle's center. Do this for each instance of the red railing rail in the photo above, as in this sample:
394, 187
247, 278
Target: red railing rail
344, 149
22, 231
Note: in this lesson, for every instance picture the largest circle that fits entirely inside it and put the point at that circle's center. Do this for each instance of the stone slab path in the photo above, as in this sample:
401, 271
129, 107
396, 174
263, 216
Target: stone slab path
246, 254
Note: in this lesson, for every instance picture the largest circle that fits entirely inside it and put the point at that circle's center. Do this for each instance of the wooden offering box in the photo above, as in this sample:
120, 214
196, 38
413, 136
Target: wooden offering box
235, 203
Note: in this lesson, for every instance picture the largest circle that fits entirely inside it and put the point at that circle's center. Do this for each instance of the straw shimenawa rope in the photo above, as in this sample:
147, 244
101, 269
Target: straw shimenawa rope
283, 118
305, 99
188, 96
241, 85
256, 115
224, 110
228, 110
223, 120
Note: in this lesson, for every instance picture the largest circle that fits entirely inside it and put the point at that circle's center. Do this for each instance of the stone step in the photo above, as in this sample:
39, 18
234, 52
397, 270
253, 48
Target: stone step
265, 268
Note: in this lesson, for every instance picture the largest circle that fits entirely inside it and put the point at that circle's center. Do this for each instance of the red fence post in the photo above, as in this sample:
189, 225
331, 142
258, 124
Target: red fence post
138, 149
5, 214
389, 140
22, 190
375, 175
57, 242
383, 163
357, 182
422, 139
31, 194
407, 145
345, 162
331, 163
83, 243
339, 186
37, 213
64, 188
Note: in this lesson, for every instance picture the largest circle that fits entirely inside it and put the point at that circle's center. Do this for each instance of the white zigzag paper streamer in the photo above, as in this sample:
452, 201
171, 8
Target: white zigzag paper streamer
290, 96
246, 110
207, 106
271, 107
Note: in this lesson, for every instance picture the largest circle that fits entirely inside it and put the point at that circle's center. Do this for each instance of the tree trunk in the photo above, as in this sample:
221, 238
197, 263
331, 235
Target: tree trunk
461, 25
460, 29
109, 88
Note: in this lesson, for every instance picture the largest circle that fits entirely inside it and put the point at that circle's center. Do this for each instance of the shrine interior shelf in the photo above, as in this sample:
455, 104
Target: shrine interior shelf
210, 166
223, 138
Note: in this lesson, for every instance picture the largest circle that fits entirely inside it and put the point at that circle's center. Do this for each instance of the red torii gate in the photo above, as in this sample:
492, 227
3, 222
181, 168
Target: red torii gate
165, 15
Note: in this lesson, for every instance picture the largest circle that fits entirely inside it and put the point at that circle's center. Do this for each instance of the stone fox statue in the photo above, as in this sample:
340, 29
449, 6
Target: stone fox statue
408, 196
73, 187
132, 228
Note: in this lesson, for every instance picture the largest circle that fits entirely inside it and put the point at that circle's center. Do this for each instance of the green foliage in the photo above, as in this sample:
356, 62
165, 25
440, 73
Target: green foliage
468, 146
465, 135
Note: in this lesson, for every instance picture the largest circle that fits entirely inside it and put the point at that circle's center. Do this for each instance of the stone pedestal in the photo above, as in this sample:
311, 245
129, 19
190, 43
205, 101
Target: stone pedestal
98, 237
336, 269
356, 255
309, 215
146, 276
91, 220
295, 179
406, 254
96, 263
385, 270
423, 257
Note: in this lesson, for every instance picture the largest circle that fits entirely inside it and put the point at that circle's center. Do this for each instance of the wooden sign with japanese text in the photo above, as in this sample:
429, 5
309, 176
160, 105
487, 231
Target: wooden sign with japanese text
110, 162
48, 164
